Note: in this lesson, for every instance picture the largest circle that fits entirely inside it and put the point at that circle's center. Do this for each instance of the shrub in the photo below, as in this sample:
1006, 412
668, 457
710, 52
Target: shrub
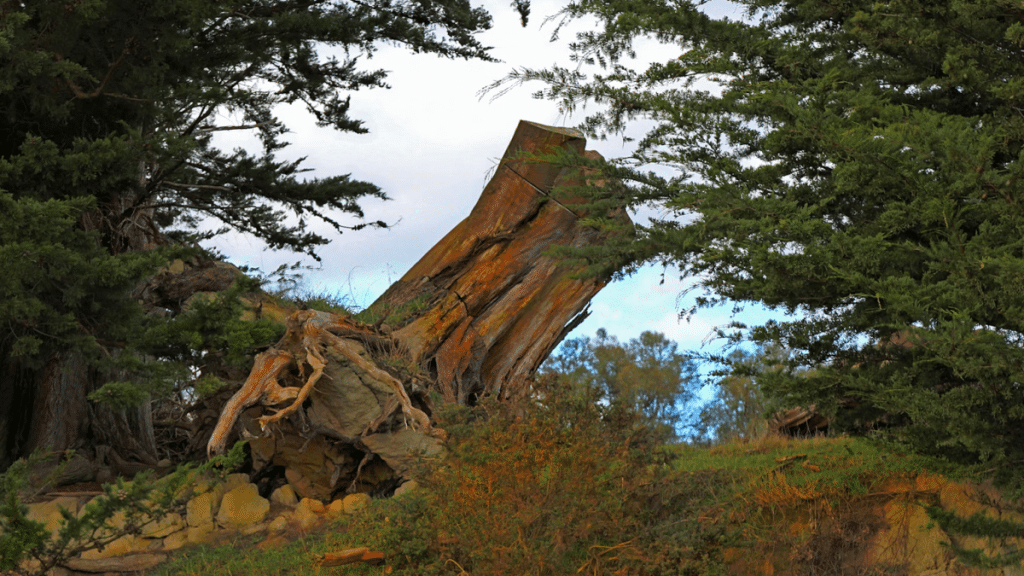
28, 549
561, 485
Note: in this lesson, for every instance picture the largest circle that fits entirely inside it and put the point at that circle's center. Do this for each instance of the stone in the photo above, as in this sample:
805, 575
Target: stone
132, 563
302, 486
199, 534
307, 513
159, 528
285, 495
314, 506
176, 540
199, 510
355, 502
277, 525
401, 449
242, 505
253, 528
336, 509
49, 512
405, 488
119, 547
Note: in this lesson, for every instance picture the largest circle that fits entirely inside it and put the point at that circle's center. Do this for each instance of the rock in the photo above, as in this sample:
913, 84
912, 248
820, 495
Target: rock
405, 488
279, 524
253, 528
336, 509
176, 540
133, 563
242, 505
199, 510
314, 506
123, 545
285, 495
199, 534
168, 525
401, 449
355, 502
307, 513
301, 485
49, 512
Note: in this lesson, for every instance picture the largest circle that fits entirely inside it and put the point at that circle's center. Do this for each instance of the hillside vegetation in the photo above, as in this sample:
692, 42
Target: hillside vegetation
570, 487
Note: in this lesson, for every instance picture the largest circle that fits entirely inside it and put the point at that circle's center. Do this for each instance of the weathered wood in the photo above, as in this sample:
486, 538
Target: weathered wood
362, 555
477, 315
494, 303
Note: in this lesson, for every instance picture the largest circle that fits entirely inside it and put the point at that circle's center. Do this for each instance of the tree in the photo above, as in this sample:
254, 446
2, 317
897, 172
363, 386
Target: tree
648, 374
737, 410
853, 164
107, 167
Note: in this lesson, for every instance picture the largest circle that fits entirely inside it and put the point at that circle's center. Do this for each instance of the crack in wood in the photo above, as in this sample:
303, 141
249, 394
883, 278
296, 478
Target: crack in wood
540, 191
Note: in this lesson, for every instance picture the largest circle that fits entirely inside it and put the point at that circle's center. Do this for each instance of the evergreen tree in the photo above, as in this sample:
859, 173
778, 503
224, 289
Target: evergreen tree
647, 375
107, 167
853, 164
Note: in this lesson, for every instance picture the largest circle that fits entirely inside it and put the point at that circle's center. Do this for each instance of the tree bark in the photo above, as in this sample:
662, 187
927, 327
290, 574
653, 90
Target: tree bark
494, 302
476, 316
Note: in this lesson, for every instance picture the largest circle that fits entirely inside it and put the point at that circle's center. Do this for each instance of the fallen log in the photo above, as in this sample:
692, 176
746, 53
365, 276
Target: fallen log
343, 403
363, 555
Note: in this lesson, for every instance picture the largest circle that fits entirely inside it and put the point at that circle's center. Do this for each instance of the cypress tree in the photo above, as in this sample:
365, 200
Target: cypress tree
108, 165
855, 166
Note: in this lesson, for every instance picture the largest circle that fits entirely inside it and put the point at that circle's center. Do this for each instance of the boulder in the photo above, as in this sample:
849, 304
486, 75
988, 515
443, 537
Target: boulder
402, 449
405, 488
307, 513
199, 510
242, 506
356, 502
49, 513
285, 495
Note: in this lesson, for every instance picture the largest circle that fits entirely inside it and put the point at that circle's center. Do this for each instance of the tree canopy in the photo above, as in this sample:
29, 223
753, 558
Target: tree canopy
647, 375
109, 168
853, 165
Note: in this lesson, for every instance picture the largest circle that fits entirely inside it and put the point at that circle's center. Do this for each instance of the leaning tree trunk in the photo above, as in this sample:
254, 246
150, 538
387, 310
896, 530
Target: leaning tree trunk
475, 316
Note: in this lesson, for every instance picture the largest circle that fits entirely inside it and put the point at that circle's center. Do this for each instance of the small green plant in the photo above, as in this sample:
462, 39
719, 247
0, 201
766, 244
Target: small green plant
393, 315
27, 548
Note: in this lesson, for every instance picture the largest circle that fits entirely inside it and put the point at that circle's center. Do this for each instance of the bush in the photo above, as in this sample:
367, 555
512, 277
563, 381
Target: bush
27, 548
560, 486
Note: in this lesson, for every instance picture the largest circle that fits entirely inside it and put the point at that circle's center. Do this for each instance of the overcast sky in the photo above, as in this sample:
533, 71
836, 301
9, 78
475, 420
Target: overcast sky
432, 143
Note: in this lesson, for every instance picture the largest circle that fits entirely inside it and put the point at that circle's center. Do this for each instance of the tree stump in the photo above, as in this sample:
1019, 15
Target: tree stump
476, 316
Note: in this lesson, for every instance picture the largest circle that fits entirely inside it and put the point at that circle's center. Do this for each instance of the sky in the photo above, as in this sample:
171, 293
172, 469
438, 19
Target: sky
432, 145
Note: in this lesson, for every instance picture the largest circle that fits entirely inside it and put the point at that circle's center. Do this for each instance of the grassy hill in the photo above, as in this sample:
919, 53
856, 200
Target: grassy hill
571, 489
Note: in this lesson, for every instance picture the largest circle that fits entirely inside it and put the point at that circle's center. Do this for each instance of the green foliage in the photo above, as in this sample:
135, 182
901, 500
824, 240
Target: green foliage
210, 332
648, 374
124, 508
57, 278
856, 165
108, 110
